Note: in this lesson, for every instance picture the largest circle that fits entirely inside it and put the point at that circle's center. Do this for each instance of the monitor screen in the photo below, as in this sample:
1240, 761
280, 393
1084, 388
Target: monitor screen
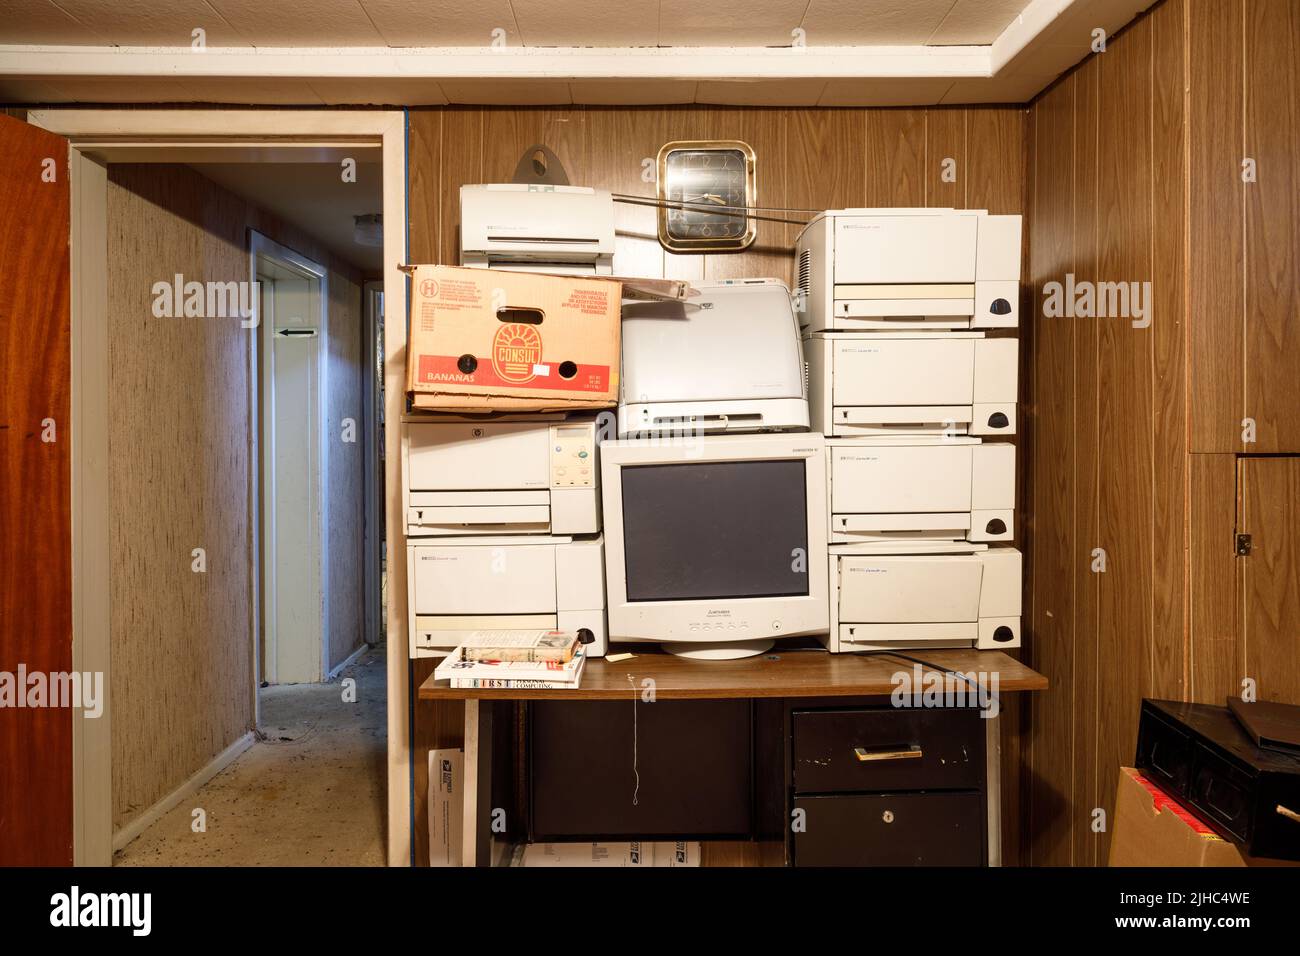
732, 529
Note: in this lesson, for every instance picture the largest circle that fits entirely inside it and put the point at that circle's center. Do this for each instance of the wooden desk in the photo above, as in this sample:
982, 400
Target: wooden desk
802, 673
797, 673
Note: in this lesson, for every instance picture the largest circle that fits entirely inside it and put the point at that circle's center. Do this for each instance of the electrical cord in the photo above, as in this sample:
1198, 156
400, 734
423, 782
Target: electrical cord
933, 666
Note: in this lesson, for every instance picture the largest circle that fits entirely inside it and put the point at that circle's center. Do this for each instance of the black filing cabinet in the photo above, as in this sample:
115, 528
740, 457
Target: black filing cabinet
876, 785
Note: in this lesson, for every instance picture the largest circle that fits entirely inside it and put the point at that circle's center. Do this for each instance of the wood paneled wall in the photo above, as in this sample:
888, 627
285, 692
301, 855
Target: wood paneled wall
1136, 162
180, 471
36, 779
808, 159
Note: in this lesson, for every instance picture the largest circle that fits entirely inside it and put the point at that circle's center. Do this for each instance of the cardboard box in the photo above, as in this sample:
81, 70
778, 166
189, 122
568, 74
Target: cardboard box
446, 806
1153, 829
492, 340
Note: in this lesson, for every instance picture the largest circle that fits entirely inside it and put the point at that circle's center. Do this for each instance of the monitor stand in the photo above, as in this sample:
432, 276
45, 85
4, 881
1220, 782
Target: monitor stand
722, 651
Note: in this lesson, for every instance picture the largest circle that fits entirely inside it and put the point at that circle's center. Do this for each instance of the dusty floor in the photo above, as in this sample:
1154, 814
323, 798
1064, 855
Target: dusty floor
310, 794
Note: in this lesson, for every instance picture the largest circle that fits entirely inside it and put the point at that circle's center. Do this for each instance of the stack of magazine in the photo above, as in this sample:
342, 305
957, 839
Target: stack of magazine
515, 659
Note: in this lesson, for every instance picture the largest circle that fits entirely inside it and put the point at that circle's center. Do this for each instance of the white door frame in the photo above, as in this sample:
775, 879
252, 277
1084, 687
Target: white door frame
98, 136
262, 409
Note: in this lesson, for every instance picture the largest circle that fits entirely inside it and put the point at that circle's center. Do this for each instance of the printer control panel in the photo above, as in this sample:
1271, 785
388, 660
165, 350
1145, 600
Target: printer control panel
573, 456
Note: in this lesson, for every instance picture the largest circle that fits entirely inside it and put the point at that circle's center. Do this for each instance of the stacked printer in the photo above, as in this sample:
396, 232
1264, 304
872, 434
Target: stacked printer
913, 394
503, 515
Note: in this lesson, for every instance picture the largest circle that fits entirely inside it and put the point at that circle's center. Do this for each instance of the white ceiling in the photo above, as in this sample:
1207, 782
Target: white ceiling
427, 52
311, 196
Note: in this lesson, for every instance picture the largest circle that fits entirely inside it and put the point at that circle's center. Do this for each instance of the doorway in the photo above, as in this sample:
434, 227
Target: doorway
292, 325
101, 138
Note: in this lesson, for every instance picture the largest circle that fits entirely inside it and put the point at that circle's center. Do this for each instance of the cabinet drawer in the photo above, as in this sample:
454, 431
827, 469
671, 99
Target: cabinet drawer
888, 749
904, 829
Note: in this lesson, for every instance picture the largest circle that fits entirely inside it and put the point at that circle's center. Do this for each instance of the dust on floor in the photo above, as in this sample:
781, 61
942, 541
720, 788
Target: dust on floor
311, 793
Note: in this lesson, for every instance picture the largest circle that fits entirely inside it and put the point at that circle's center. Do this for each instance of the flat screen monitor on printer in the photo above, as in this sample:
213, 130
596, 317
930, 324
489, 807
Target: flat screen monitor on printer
729, 359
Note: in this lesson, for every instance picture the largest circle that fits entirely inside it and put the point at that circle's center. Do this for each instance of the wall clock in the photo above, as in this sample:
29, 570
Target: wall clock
705, 174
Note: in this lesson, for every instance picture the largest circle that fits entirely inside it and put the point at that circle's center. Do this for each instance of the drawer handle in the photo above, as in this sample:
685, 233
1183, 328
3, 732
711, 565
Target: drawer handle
910, 753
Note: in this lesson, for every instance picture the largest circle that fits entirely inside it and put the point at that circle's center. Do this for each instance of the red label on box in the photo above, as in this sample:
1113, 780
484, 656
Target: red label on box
510, 368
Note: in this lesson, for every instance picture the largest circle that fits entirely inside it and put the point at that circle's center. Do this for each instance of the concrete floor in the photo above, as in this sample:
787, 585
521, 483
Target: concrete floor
310, 794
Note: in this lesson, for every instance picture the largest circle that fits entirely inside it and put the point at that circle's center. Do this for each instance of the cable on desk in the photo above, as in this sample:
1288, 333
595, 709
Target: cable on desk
934, 667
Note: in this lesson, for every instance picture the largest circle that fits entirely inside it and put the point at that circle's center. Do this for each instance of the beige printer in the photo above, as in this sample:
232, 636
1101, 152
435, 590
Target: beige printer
902, 491
864, 269
537, 228
500, 477
953, 595
955, 383
461, 585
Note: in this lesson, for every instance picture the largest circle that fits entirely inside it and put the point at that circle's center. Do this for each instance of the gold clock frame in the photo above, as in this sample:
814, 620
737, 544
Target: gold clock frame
711, 244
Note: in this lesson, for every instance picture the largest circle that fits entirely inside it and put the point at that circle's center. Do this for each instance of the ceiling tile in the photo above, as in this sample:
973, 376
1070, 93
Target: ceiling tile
879, 23
331, 23
632, 92
335, 91
728, 22
149, 23
891, 91
42, 23
507, 92
976, 22
760, 92
586, 22
442, 22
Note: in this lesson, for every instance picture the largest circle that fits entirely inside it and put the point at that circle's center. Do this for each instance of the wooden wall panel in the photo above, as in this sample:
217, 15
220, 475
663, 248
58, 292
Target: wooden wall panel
1125, 410
179, 436
1269, 511
1169, 196
1050, 416
35, 492
895, 157
1272, 233
1215, 273
1113, 177
1087, 464
945, 167
1214, 670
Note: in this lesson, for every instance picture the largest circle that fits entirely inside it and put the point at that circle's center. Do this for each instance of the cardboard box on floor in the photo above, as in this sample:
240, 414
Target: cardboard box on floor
1153, 829
488, 340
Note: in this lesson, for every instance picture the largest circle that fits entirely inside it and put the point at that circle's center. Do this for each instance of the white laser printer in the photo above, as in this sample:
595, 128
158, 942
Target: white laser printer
865, 269
500, 477
883, 383
954, 595
457, 586
537, 228
726, 360
902, 491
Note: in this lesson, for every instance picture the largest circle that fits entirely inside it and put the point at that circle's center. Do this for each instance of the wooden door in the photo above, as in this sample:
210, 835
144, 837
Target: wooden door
35, 505
1268, 509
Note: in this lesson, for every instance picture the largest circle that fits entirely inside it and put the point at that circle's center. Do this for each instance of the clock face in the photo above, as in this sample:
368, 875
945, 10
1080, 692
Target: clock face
716, 182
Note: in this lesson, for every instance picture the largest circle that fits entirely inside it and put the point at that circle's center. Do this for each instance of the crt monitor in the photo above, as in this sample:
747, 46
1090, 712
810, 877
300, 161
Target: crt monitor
715, 545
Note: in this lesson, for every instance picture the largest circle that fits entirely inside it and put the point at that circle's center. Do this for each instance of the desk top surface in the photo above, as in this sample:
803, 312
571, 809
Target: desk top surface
778, 673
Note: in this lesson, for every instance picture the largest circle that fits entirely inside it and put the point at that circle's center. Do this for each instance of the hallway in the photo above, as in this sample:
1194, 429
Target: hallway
310, 793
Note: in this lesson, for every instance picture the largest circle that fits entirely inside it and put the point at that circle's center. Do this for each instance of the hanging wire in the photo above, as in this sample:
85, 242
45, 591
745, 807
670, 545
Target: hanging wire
735, 212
